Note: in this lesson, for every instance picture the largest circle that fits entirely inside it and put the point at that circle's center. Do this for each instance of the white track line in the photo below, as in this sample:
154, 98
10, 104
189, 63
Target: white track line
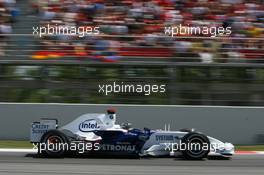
249, 153
18, 150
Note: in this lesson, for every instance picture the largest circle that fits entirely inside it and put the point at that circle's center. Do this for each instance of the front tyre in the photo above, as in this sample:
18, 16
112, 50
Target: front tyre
197, 146
54, 144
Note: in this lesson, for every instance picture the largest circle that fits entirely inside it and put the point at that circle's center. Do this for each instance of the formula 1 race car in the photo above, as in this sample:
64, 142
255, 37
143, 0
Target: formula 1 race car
98, 134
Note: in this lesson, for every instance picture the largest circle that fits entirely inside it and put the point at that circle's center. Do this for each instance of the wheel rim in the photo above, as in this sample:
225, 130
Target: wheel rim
54, 144
195, 146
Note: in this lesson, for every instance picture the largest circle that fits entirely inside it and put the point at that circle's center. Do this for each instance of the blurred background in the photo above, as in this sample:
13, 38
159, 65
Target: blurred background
132, 48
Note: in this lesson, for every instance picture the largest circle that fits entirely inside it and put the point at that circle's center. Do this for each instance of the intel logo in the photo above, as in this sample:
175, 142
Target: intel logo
88, 125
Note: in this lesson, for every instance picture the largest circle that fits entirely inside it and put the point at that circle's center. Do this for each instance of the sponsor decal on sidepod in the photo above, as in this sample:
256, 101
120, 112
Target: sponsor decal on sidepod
88, 125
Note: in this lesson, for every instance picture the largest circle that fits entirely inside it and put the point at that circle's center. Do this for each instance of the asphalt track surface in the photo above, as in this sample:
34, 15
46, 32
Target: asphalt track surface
21, 164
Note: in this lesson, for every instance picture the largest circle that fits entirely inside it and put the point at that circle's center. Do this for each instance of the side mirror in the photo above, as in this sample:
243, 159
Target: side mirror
126, 125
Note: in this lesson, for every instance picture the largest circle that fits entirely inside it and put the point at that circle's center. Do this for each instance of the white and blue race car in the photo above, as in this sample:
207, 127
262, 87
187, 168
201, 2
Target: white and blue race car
99, 135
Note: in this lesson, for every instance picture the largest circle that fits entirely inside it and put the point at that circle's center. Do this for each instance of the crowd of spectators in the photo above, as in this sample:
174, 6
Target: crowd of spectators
136, 28
8, 12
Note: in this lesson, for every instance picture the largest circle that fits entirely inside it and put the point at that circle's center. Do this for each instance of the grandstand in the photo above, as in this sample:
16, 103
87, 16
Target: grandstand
132, 46
134, 30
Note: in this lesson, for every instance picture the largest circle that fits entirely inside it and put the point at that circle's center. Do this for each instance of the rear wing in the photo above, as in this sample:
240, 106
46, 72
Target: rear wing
37, 129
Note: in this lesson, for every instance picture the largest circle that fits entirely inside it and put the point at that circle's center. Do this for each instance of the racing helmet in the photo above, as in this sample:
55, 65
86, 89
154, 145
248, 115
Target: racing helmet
111, 113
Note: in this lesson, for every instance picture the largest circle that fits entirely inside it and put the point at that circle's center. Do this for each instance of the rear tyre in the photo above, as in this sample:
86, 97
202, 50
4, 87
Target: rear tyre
197, 146
54, 144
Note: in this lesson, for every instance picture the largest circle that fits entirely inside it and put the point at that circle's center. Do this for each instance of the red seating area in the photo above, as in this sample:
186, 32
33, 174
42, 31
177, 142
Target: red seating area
133, 24
145, 52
